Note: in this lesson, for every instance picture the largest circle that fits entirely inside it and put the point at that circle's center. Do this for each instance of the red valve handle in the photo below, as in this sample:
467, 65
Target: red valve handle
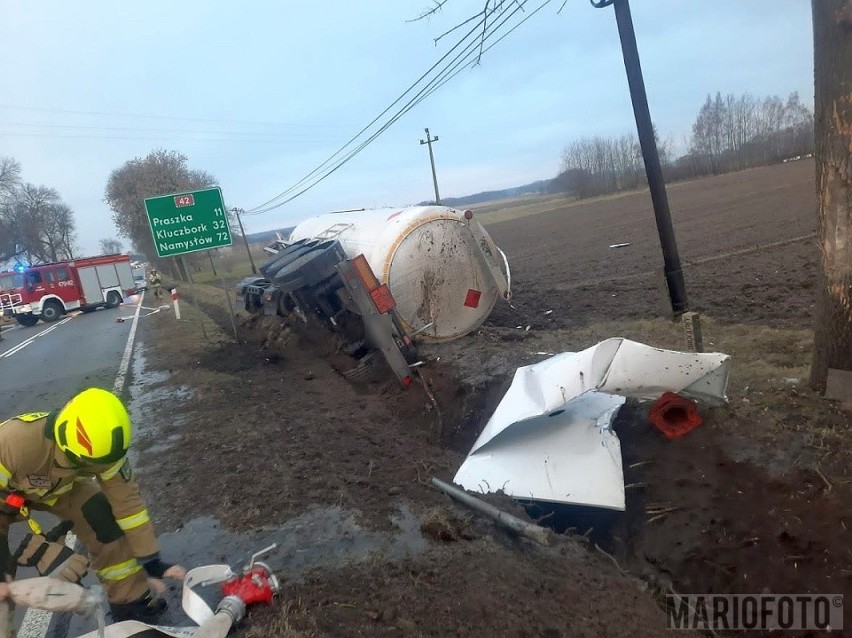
252, 587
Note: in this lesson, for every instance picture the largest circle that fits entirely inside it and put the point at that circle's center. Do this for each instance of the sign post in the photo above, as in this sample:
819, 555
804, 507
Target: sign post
183, 223
227, 296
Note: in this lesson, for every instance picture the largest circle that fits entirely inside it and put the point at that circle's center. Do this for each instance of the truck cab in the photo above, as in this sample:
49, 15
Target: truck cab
49, 291
45, 292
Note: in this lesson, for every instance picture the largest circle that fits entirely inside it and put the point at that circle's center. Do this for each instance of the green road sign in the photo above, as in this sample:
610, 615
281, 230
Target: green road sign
188, 222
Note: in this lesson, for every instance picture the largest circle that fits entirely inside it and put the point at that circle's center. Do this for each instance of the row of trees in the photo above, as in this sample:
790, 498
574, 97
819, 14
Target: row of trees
596, 165
35, 224
729, 133
111, 246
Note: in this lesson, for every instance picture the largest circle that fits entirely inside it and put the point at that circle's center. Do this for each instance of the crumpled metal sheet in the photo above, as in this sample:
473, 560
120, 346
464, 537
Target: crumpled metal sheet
550, 438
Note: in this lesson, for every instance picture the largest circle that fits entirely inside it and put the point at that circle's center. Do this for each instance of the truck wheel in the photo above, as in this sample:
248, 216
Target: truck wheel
310, 267
51, 311
26, 320
113, 299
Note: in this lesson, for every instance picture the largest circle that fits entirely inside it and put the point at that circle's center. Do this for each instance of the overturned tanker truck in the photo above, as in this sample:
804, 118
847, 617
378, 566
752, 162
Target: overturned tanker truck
383, 279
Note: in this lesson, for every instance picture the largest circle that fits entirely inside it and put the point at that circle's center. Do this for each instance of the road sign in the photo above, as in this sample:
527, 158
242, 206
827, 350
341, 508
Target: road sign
188, 222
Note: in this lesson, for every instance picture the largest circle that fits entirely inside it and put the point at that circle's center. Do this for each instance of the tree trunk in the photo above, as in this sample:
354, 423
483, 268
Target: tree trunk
832, 20
177, 268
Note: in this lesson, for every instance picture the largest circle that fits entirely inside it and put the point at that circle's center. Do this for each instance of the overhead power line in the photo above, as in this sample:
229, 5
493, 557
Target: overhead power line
399, 99
459, 61
219, 133
39, 109
154, 138
482, 30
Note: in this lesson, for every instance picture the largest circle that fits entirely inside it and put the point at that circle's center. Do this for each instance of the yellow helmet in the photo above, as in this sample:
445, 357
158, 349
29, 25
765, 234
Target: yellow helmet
93, 428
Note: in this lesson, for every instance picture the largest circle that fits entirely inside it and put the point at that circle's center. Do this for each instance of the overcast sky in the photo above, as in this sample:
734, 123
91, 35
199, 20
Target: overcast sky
258, 93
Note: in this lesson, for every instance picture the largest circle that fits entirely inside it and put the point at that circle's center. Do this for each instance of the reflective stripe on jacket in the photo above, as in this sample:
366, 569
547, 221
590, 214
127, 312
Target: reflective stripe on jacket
31, 464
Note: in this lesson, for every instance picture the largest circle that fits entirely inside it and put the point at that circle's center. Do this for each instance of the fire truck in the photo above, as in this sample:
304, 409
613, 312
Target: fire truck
48, 291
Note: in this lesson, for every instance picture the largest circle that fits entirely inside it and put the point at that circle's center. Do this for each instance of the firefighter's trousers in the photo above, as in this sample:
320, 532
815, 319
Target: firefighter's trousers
113, 561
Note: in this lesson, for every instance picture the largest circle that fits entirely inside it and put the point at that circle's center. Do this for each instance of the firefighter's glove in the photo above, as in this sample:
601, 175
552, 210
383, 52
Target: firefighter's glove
51, 559
156, 568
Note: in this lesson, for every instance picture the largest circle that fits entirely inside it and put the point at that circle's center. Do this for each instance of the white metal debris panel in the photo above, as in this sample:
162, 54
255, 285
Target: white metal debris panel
550, 438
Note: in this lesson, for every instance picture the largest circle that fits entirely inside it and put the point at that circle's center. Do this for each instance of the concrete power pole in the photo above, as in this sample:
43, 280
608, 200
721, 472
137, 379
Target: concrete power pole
672, 271
429, 141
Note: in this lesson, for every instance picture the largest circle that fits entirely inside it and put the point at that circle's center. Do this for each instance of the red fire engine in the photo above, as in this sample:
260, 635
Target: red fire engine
48, 291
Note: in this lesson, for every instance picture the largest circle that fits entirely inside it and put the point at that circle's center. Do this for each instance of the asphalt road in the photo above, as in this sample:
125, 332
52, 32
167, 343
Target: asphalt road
43, 366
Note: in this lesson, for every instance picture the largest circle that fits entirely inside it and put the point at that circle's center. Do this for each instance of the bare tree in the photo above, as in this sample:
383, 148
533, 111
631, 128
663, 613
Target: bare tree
595, 165
58, 231
159, 173
10, 176
707, 132
39, 224
34, 221
732, 132
832, 20
437, 5
7, 241
111, 246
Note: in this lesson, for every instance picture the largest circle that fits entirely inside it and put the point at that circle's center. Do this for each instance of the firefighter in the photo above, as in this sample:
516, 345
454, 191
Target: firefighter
157, 283
72, 462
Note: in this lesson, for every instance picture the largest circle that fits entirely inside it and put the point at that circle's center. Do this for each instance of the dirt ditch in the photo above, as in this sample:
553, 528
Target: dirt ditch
739, 505
272, 433
755, 500
699, 521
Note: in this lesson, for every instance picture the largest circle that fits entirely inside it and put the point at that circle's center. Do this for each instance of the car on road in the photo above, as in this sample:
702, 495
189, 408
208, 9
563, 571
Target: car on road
139, 281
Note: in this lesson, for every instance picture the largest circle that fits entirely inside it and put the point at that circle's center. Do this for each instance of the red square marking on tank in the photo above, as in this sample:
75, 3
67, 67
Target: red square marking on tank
472, 298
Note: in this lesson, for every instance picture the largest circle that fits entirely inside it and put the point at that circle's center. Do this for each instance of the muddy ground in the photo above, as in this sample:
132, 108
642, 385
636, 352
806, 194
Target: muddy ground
755, 500
746, 241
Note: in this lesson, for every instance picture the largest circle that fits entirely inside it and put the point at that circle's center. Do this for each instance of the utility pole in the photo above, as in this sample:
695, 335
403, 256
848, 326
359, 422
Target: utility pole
429, 141
656, 184
237, 212
831, 368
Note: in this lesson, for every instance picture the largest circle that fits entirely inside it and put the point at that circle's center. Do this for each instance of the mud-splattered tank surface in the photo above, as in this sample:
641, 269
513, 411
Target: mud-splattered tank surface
442, 268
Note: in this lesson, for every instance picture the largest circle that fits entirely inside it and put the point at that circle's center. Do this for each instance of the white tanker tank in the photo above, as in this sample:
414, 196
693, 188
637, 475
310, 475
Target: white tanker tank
440, 264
